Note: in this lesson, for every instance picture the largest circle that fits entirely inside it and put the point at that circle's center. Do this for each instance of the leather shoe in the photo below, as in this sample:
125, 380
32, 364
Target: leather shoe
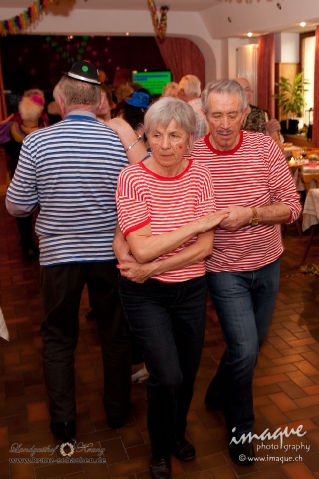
242, 454
117, 422
160, 468
184, 450
65, 431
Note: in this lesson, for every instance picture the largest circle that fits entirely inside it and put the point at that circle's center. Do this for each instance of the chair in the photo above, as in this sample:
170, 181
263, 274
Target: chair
307, 178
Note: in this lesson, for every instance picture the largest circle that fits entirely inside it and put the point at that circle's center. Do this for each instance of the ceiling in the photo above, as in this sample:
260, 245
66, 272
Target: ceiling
241, 12
174, 5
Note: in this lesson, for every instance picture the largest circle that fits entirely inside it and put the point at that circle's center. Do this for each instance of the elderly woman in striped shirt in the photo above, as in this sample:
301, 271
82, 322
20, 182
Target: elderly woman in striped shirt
166, 213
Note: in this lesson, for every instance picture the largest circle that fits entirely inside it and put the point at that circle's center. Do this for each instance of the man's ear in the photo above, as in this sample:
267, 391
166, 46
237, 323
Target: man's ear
102, 101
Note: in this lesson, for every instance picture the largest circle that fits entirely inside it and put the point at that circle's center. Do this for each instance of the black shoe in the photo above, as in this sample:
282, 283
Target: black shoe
160, 468
242, 454
117, 422
65, 431
184, 450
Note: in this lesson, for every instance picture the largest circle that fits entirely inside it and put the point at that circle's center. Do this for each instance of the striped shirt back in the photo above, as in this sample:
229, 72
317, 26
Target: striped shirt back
70, 169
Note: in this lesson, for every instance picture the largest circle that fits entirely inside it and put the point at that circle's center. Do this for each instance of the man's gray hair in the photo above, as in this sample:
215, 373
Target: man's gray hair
224, 86
166, 109
191, 85
74, 92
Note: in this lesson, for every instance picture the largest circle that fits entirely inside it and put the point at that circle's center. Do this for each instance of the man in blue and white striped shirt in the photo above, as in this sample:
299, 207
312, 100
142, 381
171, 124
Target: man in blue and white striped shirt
70, 170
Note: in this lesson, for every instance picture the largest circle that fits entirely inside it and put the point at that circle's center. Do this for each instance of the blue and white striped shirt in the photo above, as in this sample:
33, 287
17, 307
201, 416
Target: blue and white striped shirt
70, 170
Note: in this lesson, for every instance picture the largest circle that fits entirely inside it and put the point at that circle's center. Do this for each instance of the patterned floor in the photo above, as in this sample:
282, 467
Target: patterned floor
286, 386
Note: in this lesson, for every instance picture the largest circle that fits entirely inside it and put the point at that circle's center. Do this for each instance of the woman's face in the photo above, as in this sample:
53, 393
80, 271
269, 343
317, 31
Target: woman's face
105, 108
169, 144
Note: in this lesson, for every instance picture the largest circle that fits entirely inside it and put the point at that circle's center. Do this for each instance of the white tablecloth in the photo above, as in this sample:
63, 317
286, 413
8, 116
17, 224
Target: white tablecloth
311, 209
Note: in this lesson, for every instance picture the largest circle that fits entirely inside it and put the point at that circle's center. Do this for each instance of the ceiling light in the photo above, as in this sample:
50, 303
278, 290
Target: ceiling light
303, 24
249, 34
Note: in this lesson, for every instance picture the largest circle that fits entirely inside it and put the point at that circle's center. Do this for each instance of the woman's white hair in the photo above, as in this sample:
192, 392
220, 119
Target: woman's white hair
166, 109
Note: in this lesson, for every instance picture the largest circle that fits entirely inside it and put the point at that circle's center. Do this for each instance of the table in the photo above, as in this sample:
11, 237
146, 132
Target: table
295, 170
289, 149
311, 209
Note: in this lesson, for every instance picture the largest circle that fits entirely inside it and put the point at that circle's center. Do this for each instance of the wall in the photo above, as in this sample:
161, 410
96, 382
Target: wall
116, 23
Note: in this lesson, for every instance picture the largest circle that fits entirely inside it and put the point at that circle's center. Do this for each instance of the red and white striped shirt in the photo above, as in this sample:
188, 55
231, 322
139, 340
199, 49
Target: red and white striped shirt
167, 203
255, 173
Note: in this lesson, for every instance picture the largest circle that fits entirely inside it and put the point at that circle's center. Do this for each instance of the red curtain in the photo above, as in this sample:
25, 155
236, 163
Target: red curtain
182, 57
3, 107
315, 127
266, 73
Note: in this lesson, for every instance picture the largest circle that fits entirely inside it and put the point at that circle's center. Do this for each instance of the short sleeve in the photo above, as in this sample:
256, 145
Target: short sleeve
132, 208
206, 200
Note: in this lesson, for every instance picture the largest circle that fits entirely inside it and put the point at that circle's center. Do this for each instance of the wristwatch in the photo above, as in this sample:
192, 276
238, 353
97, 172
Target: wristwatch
255, 219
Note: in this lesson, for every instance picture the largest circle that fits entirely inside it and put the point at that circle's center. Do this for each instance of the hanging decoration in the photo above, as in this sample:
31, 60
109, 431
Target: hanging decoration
160, 24
25, 19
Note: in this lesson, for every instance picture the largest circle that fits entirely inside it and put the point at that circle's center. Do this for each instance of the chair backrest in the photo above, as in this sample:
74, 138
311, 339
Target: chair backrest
307, 179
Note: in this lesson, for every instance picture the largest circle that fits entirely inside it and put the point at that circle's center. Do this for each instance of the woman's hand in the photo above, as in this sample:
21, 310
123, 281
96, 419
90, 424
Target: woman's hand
210, 220
137, 272
128, 137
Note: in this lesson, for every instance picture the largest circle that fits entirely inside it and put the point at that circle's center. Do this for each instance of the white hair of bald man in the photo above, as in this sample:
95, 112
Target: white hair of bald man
191, 85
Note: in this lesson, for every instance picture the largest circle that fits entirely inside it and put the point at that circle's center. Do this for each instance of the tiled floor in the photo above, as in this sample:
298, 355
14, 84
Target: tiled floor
286, 386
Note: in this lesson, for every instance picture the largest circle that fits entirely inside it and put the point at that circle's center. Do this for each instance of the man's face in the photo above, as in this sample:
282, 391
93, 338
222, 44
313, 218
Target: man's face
225, 119
246, 86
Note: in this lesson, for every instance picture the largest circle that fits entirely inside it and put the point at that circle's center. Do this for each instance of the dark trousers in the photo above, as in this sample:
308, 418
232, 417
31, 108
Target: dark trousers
244, 302
168, 323
62, 287
25, 227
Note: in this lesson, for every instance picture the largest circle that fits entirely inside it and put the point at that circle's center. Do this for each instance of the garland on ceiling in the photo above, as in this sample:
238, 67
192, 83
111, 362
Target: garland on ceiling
25, 19
160, 24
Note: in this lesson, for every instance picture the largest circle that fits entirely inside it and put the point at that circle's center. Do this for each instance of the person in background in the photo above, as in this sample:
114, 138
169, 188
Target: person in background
70, 170
123, 92
104, 113
28, 119
252, 182
189, 89
133, 111
39, 95
171, 89
256, 118
54, 112
102, 77
165, 211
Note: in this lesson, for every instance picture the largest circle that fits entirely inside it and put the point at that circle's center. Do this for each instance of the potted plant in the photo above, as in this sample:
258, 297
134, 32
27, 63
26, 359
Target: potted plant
291, 100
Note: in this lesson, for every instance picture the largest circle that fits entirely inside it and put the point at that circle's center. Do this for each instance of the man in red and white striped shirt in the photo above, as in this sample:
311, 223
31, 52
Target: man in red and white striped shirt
252, 181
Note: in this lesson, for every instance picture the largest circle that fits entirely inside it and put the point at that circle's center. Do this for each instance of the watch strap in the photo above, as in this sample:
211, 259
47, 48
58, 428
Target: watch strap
255, 219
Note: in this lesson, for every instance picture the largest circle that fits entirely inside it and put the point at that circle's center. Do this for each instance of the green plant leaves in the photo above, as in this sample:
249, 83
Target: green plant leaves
291, 95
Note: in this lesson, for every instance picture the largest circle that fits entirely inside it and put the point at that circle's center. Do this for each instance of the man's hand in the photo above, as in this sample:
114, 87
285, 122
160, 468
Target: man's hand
239, 216
136, 272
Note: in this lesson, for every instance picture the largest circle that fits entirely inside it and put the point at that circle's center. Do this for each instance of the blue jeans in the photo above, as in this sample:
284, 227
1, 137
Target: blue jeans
244, 302
168, 323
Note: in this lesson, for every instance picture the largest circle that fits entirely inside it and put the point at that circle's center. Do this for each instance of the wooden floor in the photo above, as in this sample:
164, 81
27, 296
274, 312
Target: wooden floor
286, 386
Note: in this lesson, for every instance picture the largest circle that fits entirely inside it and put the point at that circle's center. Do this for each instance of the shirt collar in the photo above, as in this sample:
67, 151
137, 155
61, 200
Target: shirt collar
81, 113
